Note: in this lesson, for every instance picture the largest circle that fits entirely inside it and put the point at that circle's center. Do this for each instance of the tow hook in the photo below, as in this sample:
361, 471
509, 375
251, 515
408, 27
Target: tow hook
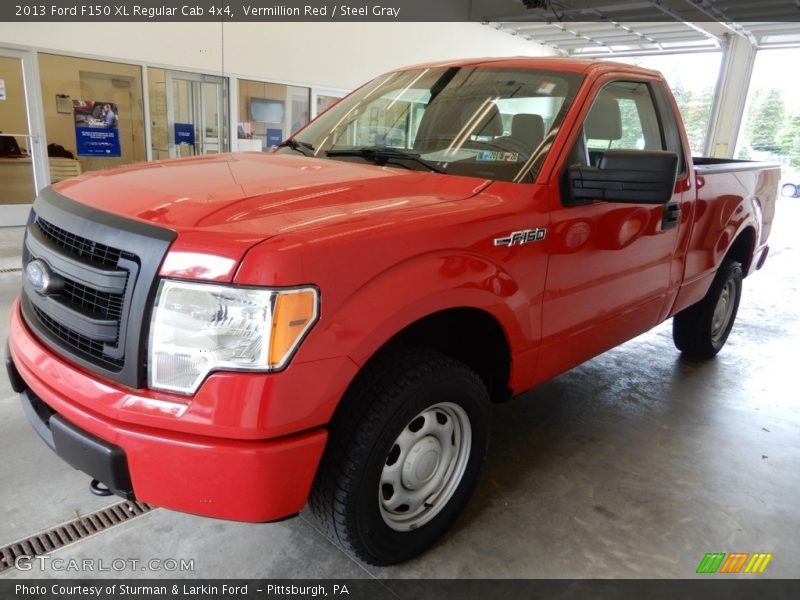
99, 489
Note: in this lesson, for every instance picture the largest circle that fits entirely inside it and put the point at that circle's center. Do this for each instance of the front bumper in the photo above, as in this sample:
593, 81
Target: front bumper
95, 457
253, 480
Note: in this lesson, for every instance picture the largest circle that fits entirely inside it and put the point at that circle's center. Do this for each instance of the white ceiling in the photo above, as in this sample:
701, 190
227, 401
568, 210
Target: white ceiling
616, 27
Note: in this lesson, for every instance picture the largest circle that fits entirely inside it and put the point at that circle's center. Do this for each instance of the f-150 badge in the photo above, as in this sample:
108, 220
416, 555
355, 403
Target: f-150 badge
518, 238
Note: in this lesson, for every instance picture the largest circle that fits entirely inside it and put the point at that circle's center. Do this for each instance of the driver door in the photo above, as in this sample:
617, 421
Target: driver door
608, 276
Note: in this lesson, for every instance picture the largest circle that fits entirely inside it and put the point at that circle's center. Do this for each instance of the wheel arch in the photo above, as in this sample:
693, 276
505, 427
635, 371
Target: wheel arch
743, 247
468, 334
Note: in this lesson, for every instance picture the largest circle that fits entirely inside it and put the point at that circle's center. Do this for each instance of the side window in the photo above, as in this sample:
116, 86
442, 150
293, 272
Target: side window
623, 117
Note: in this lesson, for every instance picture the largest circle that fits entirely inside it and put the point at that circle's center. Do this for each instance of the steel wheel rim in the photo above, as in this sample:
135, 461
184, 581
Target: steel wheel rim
424, 466
723, 311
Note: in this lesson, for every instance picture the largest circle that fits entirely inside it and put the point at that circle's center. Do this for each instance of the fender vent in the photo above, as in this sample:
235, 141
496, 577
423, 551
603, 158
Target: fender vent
73, 531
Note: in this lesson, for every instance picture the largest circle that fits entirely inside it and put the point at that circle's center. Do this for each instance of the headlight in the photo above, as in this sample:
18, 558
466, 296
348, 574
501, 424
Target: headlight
198, 328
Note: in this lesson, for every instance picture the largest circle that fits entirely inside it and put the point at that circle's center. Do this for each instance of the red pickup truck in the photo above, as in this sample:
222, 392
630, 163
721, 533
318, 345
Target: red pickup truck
238, 335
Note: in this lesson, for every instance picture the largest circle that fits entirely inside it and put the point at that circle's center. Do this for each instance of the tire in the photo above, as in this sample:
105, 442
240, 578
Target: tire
701, 330
412, 432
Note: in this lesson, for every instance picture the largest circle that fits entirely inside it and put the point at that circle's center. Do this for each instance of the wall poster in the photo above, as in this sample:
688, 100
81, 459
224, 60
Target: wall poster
96, 128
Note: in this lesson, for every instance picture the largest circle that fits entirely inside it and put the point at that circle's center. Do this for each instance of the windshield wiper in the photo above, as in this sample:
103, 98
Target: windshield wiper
297, 146
382, 155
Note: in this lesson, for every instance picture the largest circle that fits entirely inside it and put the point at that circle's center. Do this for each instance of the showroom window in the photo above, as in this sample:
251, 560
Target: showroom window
324, 99
270, 112
771, 125
93, 113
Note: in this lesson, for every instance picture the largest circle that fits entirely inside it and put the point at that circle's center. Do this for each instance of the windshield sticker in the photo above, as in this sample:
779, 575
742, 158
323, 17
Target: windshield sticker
450, 154
490, 155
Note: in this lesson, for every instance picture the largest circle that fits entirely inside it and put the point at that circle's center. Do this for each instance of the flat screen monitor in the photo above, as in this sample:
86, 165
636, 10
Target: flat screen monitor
263, 110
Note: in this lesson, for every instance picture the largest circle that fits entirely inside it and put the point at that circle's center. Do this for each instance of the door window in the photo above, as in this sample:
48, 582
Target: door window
623, 117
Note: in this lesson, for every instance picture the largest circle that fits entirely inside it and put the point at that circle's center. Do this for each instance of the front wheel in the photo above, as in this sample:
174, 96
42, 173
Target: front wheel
403, 457
701, 330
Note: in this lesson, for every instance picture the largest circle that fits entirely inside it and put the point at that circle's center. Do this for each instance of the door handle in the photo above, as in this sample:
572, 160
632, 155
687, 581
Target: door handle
672, 216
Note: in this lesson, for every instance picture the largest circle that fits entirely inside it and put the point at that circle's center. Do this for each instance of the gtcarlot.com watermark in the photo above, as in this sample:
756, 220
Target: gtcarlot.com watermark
103, 565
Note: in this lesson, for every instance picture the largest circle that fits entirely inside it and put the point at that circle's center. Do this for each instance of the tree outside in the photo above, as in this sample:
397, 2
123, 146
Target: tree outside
771, 132
789, 141
764, 120
695, 108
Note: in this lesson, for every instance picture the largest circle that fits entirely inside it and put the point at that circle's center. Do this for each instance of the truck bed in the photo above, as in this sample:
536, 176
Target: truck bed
704, 165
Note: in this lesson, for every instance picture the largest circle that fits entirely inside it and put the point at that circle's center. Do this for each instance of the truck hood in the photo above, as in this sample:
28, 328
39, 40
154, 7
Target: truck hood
220, 206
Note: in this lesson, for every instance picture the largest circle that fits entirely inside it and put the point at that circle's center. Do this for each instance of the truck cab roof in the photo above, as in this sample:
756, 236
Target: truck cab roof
550, 63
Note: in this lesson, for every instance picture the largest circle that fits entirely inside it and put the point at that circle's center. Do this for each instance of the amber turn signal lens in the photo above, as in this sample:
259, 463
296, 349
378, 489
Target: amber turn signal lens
295, 312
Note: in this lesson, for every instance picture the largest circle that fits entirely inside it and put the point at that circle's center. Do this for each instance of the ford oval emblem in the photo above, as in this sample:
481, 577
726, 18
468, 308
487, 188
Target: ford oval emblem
39, 276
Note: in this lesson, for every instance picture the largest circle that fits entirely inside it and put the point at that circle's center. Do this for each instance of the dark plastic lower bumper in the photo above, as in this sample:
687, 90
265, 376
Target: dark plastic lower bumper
97, 458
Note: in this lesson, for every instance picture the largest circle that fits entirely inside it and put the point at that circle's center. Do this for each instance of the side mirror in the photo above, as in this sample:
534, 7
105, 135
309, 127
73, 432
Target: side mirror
789, 190
630, 176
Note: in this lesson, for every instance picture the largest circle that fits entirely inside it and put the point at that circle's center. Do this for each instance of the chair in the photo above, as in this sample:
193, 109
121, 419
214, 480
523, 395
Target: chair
604, 122
449, 122
527, 132
63, 168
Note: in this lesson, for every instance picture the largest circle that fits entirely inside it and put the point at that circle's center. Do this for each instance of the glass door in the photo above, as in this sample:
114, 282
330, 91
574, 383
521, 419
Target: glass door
197, 114
22, 160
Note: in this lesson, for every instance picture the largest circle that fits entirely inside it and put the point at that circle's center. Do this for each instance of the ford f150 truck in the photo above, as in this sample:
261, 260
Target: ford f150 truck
329, 323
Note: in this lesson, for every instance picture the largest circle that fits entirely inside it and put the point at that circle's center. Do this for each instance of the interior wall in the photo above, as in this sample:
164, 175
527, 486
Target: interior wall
338, 55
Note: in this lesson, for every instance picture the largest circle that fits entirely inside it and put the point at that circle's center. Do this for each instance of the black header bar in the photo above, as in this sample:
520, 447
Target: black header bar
703, 588
613, 11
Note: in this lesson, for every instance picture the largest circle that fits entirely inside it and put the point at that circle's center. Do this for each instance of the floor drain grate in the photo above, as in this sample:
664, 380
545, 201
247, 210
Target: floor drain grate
71, 532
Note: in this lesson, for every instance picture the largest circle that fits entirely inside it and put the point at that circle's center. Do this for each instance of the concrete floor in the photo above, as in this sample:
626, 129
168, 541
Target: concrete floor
633, 465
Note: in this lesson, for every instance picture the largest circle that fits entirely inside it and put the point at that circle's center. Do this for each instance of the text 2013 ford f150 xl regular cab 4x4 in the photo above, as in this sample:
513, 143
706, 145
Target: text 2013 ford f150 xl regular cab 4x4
238, 335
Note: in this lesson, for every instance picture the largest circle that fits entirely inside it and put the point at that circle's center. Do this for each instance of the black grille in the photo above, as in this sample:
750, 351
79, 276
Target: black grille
109, 268
91, 303
80, 343
82, 247
100, 305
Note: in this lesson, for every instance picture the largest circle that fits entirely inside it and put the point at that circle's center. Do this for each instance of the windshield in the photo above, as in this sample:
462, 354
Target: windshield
492, 123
